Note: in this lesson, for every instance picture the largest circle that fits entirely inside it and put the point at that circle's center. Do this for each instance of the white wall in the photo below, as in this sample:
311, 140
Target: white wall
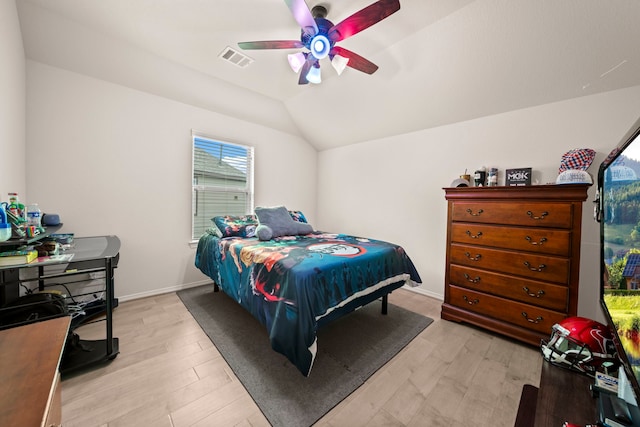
391, 188
64, 43
12, 103
113, 160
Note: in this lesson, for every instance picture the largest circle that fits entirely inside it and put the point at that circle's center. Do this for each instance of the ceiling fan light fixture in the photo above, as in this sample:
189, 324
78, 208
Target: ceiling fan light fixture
296, 61
313, 76
339, 63
319, 35
320, 46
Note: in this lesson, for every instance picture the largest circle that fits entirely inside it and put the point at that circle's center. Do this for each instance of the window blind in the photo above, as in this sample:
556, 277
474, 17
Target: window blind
222, 181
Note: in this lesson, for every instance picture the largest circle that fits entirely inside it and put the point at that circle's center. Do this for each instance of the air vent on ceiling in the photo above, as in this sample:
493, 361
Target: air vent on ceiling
235, 57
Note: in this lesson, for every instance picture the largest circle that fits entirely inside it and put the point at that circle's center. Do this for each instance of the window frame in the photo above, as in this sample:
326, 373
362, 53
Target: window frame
197, 188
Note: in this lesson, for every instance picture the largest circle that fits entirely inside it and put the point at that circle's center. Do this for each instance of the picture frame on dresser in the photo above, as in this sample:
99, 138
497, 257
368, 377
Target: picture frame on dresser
513, 257
517, 177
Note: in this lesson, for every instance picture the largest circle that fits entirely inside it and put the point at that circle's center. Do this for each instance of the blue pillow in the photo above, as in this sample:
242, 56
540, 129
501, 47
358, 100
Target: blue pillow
298, 216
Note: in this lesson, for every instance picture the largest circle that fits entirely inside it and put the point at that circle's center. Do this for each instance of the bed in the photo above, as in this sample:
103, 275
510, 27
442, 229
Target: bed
294, 284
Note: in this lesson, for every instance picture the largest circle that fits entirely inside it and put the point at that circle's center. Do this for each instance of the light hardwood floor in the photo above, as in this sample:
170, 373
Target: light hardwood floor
169, 374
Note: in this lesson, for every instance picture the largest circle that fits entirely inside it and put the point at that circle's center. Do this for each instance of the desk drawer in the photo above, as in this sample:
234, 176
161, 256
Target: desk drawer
527, 214
525, 315
537, 267
539, 240
541, 294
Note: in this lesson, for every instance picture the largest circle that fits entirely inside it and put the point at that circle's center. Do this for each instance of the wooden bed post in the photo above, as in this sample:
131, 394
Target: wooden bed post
385, 300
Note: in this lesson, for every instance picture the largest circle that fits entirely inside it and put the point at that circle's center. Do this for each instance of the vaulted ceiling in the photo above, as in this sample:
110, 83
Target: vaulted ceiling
441, 61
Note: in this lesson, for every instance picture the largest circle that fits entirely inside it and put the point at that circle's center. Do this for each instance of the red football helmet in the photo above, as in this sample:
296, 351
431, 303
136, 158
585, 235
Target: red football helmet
580, 344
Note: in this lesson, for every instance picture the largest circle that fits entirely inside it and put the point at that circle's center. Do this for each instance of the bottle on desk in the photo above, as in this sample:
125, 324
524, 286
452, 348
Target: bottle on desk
15, 207
34, 215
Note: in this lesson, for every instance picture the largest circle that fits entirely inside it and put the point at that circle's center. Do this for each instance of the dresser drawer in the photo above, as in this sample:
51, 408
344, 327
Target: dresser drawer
528, 214
540, 240
537, 267
542, 294
525, 315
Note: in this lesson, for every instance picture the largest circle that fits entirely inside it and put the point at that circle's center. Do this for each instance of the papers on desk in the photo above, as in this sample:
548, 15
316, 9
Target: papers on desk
52, 259
54, 264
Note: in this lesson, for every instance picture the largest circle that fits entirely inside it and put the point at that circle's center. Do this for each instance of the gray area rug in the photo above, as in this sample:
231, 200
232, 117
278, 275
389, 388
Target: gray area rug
350, 350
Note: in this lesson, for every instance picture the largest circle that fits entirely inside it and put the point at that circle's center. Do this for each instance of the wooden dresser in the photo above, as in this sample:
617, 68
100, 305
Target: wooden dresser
513, 257
30, 394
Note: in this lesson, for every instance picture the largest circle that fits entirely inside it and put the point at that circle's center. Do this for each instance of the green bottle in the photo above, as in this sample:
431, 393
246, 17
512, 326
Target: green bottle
15, 207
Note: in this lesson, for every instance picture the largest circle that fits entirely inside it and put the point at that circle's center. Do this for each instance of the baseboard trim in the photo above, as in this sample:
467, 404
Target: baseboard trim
422, 291
162, 291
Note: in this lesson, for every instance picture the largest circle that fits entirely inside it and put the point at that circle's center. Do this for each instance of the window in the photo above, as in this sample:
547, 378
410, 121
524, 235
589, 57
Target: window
222, 181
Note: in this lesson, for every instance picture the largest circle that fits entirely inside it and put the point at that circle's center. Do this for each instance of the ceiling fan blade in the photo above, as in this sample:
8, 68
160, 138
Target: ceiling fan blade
303, 16
355, 61
271, 44
363, 19
302, 80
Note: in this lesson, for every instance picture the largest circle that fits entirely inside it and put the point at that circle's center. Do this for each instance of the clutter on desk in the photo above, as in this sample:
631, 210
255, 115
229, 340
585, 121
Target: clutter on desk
50, 219
20, 221
15, 207
17, 257
48, 247
34, 215
5, 226
62, 238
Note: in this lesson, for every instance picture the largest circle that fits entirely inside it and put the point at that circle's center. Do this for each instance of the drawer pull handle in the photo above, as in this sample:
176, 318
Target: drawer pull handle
531, 294
474, 258
469, 279
478, 234
470, 301
538, 243
542, 215
536, 320
470, 212
538, 268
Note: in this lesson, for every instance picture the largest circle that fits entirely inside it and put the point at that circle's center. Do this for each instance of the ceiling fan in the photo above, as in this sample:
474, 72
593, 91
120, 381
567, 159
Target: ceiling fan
319, 36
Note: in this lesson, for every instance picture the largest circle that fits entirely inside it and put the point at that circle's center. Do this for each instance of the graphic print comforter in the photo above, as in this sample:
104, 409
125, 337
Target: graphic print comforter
292, 283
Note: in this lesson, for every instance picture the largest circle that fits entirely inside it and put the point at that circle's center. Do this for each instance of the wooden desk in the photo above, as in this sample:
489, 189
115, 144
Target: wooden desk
563, 395
29, 376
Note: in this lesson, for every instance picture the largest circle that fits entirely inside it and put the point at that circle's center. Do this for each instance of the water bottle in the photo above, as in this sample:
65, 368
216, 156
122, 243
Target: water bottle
33, 215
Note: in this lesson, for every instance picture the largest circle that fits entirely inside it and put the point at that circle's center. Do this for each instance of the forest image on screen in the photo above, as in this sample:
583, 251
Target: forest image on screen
621, 249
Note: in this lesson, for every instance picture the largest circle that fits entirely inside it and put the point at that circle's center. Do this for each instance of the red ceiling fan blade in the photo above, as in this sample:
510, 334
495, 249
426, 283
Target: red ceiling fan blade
363, 19
271, 44
303, 16
355, 61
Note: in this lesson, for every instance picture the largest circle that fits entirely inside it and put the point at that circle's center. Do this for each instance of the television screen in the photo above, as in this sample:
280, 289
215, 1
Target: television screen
619, 216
